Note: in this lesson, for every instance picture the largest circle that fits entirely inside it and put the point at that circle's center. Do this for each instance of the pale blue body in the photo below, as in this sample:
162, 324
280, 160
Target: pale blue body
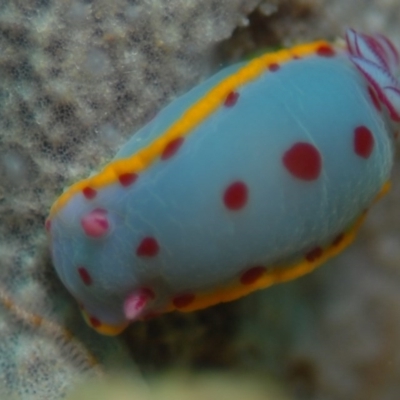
202, 245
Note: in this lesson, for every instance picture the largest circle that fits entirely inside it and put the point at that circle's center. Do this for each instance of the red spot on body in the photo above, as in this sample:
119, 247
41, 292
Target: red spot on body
183, 300
127, 179
235, 196
325, 51
374, 98
338, 239
314, 254
303, 161
273, 67
148, 247
363, 141
85, 276
89, 192
47, 225
95, 223
231, 99
171, 148
252, 275
94, 322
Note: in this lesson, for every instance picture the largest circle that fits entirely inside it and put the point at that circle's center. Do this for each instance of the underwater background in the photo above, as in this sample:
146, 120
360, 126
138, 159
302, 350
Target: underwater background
76, 79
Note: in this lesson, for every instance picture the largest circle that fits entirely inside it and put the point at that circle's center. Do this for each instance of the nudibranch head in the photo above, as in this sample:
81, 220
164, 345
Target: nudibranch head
254, 177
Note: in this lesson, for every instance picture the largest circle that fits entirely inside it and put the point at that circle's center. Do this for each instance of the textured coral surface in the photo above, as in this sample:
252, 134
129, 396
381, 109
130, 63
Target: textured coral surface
76, 79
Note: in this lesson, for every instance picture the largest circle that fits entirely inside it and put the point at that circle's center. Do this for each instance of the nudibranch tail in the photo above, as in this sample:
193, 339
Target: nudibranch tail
378, 60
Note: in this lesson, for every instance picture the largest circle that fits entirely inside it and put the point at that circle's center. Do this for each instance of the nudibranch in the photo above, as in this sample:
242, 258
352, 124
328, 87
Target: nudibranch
254, 177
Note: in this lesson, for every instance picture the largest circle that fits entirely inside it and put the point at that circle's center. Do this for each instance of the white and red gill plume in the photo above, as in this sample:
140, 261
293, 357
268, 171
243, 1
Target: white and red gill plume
378, 60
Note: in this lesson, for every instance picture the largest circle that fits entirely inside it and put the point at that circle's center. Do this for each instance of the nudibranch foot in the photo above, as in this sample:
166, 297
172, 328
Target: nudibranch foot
104, 328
